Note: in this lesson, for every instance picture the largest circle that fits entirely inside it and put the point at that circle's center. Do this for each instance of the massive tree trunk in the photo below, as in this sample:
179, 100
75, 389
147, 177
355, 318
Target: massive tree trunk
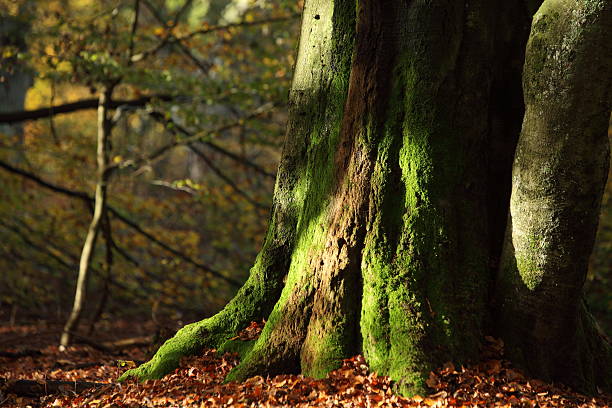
379, 240
560, 171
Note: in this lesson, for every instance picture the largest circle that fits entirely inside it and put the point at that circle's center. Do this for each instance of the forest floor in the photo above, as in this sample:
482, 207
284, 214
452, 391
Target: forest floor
62, 378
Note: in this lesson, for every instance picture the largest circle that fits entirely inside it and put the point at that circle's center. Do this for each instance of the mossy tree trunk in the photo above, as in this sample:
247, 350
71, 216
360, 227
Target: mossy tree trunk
559, 174
386, 222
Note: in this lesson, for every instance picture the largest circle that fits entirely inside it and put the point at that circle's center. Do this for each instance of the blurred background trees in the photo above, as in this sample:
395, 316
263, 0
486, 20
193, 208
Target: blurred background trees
196, 112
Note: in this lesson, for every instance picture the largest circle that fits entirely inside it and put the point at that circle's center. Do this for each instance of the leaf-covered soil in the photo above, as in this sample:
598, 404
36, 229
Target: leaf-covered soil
198, 382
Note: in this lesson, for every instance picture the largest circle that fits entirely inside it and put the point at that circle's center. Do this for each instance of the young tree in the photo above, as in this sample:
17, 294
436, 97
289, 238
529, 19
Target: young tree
386, 225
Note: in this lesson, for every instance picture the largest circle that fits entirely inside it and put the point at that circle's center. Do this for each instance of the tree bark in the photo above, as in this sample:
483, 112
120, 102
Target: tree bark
560, 171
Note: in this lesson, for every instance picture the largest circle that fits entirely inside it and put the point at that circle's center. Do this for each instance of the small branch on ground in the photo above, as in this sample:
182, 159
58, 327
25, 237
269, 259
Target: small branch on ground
31, 388
20, 354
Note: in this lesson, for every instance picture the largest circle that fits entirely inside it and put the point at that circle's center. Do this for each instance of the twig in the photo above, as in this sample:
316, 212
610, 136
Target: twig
191, 137
225, 178
169, 39
133, 32
65, 264
197, 137
181, 11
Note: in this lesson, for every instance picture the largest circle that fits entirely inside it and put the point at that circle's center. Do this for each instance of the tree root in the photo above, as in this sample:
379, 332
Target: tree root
187, 341
253, 302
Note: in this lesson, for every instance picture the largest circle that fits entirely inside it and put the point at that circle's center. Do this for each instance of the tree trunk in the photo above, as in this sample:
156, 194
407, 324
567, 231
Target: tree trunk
379, 186
559, 174
102, 153
385, 223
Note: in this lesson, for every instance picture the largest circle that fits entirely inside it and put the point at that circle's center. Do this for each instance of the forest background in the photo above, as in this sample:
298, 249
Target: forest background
199, 96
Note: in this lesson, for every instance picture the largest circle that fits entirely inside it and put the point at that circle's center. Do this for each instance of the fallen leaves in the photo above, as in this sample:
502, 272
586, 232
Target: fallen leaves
198, 382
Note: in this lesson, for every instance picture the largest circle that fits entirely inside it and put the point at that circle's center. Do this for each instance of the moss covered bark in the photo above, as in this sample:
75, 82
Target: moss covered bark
560, 170
389, 231
383, 229
425, 267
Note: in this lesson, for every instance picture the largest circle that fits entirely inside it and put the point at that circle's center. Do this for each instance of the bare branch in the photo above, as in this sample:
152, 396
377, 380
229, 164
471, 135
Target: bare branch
88, 199
197, 137
21, 116
238, 24
191, 137
169, 39
68, 264
225, 178
133, 32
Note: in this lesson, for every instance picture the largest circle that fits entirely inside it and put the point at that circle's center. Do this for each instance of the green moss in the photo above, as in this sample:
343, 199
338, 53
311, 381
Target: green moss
423, 292
186, 341
532, 247
236, 346
529, 271
329, 351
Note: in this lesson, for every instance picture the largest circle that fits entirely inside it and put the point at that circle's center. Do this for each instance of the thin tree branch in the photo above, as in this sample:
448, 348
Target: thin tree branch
197, 137
21, 116
191, 137
182, 10
170, 39
173, 251
225, 178
25, 238
88, 199
72, 259
58, 189
133, 32
204, 66
69, 266
238, 24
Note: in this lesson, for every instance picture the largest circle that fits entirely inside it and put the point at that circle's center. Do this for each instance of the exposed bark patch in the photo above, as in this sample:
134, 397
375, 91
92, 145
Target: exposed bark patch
371, 77
333, 332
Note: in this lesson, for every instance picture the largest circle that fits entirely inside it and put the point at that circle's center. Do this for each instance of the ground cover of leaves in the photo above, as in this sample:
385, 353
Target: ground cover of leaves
198, 382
